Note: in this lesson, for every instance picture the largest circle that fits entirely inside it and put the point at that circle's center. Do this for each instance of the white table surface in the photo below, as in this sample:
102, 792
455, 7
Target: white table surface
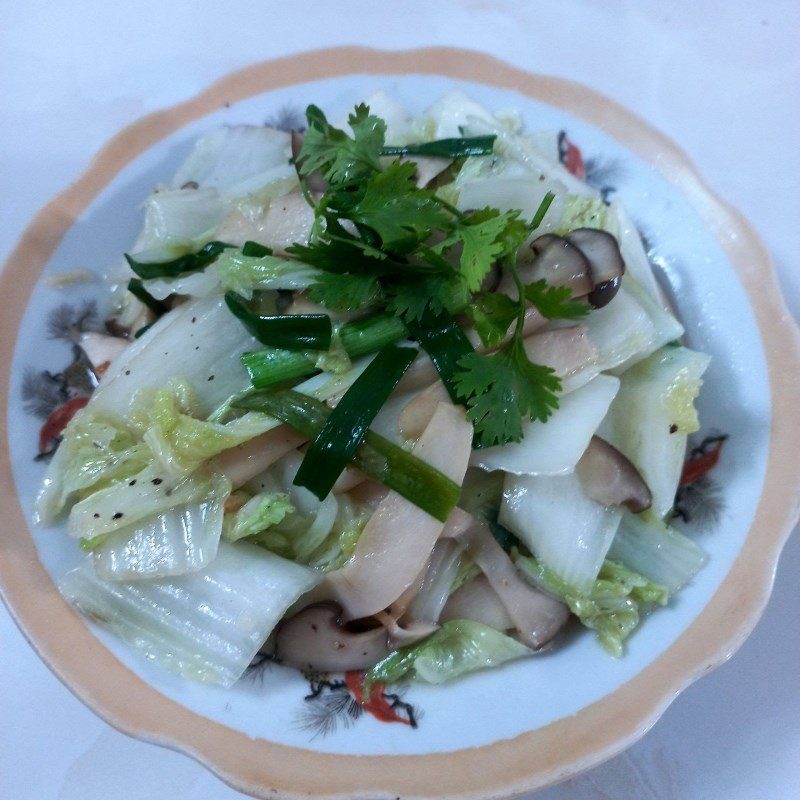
720, 78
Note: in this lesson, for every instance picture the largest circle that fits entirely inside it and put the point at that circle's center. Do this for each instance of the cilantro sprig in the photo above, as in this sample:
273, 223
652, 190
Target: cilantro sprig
382, 241
505, 388
339, 157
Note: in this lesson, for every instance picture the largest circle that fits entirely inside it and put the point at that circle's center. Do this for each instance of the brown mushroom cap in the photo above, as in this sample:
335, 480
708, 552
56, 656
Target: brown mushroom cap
606, 265
560, 263
608, 477
315, 640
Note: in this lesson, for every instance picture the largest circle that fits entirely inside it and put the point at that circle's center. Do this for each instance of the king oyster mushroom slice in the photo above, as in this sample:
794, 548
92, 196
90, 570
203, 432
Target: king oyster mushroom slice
536, 616
602, 252
608, 477
314, 640
402, 634
476, 600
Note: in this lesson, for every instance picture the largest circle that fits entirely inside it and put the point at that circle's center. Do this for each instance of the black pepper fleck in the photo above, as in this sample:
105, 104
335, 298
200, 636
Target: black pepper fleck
194, 319
96, 515
673, 428
157, 481
132, 483
118, 515
127, 372
211, 377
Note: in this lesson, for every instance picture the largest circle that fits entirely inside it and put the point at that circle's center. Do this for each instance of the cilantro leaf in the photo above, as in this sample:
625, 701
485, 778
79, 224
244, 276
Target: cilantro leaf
537, 385
503, 389
489, 383
401, 214
410, 299
339, 157
483, 242
482, 237
553, 302
344, 292
340, 256
492, 315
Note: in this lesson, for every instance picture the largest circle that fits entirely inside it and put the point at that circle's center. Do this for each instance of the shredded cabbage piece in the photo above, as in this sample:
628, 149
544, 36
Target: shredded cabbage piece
181, 442
180, 540
613, 606
96, 450
459, 647
206, 626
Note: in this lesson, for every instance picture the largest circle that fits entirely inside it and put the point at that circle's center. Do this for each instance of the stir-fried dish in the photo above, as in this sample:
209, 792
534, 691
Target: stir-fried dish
398, 395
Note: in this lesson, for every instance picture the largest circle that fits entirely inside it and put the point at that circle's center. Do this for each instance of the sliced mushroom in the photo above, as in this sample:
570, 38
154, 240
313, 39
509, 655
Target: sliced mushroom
477, 601
315, 640
611, 479
349, 479
536, 616
568, 351
605, 261
397, 541
298, 137
416, 416
402, 634
243, 462
559, 262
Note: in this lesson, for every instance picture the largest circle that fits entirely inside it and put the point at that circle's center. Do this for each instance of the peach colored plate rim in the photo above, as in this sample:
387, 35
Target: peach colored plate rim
505, 768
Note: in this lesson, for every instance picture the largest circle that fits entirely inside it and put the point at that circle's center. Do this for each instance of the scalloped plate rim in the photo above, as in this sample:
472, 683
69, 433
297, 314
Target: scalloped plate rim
599, 731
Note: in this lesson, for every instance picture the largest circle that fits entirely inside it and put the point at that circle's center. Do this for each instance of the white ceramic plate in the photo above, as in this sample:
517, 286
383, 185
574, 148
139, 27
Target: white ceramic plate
533, 721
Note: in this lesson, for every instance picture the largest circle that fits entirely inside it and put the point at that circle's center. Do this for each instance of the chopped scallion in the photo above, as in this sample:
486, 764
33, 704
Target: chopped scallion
376, 457
446, 344
333, 449
191, 262
367, 335
445, 148
287, 331
255, 250
136, 288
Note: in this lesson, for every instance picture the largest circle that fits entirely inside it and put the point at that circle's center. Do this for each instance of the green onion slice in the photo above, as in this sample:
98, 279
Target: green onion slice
376, 457
445, 148
191, 262
255, 249
272, 366
143, 330
345, 428
136, 288
542, 210
446, 344
288, 331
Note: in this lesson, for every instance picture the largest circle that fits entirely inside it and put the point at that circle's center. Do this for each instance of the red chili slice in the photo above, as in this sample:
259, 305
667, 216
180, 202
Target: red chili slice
695, 468
377, 705
571, 158
54, 425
